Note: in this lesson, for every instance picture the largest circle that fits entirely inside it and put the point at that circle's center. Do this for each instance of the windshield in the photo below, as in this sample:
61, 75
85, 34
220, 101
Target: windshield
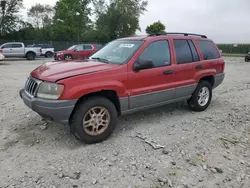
72, 47
117, 52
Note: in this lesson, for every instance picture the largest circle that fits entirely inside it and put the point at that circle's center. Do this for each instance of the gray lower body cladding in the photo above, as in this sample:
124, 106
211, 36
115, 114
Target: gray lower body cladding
56, 110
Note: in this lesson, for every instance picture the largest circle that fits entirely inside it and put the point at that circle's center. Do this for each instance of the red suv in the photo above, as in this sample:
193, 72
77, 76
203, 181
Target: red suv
80, 51
125, 76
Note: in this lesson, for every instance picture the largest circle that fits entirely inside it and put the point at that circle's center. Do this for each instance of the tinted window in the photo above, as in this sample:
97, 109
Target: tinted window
194, 51
7, 46
88, 47
183, 52
16, 45
158, 52
208, 49
79, 48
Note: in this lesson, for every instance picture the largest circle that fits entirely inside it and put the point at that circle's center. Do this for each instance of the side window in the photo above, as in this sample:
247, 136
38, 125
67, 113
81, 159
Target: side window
16, 45
88, 47
194, 51
183, 51
208, 49
7, 46
158, 52
79, 48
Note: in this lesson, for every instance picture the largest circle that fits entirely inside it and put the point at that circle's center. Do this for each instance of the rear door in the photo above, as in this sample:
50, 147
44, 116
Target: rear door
156, 85
88, 50
188, 63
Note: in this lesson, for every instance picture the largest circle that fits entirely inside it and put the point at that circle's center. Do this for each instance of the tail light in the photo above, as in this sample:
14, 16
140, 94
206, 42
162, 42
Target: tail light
40, 49
1, 51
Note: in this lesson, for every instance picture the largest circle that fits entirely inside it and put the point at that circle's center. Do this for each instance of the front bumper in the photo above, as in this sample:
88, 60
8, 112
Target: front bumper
55, 110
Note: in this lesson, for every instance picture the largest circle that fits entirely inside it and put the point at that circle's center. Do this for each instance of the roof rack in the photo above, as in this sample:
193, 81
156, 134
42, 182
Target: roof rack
185, 34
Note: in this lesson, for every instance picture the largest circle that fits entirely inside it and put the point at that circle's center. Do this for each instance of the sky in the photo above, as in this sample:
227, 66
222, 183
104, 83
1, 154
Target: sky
224, 21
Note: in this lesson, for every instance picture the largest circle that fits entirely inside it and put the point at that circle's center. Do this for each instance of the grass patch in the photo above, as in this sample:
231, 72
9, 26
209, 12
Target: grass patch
233, 55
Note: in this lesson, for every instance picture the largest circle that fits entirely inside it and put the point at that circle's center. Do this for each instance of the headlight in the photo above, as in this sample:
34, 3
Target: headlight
48, 90
60, 53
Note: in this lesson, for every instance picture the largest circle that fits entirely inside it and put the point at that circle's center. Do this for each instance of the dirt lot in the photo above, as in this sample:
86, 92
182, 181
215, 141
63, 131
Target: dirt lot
203, 150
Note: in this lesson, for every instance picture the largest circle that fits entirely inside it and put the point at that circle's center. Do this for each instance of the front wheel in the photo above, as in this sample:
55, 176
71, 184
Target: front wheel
201, 97
246, 59
68, 57
94, 120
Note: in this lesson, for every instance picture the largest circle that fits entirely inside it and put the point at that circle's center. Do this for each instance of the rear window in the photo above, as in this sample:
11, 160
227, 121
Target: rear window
208, 49
17, 45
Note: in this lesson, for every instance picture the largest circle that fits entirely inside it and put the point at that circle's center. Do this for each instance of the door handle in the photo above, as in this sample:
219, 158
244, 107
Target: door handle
168, 72
199, 67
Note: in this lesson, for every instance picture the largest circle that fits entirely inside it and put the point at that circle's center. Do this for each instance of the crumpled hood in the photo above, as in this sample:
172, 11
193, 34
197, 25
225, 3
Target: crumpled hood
54, 71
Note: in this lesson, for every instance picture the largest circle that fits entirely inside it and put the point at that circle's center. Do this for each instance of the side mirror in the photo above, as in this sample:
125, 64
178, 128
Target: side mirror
143, 64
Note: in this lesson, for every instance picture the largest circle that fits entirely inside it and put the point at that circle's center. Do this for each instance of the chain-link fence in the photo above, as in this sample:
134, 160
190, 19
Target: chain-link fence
58, 45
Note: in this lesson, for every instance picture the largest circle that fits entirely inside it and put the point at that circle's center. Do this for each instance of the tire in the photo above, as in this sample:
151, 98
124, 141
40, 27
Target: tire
30, 56
246, 59
82, 113
68, 57
49, 54
194, 102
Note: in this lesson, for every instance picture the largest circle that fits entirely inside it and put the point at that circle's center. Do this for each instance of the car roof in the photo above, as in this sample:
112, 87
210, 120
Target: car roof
167, 36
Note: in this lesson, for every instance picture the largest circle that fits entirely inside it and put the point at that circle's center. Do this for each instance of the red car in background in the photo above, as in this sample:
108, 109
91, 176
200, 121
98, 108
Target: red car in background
79, 51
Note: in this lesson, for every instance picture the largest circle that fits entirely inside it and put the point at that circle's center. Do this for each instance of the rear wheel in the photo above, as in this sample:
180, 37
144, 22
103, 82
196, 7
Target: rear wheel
201, 97
49, 54
68, 57
246, 59
94, 120
30, 56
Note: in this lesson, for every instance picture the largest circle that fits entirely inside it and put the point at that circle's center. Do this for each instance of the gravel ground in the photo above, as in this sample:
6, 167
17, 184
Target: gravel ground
203, 150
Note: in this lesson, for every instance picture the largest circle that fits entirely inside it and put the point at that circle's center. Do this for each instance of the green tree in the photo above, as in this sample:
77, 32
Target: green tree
119, 18
10, 18
40, 15
71, 20
156, 27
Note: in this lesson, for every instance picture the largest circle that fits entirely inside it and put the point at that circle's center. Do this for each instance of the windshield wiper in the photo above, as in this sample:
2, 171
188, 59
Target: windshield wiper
101, 59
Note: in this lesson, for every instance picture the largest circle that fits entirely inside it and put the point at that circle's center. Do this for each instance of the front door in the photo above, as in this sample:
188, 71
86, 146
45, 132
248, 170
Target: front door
88, 50
156, 85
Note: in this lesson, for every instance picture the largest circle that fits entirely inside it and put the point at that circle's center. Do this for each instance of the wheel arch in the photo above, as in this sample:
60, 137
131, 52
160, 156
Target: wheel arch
29, 53
109, 94
209, 79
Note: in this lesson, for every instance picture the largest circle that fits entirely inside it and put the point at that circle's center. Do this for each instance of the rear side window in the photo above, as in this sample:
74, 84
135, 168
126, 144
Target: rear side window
194, 51
208, 49
158, 52
88, 47
183, 51
16, 45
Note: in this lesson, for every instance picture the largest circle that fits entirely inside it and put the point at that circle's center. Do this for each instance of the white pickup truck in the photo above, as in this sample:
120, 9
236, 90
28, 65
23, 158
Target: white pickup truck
18, 49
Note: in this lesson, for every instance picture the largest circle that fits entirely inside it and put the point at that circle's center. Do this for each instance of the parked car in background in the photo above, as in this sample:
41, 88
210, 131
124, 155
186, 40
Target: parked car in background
125, 76
80, 51
47, 49
18, 49
1, 55
247, 57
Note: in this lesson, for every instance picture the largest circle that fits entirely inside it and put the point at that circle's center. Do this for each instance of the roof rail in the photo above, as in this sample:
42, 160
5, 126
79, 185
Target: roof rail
185, 34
